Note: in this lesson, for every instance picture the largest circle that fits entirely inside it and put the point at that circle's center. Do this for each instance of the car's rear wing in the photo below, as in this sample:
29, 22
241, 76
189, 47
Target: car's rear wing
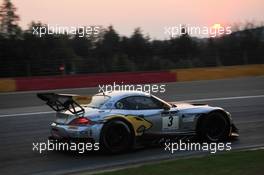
64, 102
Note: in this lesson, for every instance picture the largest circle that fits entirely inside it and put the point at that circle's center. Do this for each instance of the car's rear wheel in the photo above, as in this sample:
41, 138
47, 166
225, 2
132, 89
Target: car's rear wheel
214, 127
116, 137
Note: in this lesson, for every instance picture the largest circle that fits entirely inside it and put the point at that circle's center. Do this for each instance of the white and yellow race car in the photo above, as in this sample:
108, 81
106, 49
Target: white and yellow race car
121, 120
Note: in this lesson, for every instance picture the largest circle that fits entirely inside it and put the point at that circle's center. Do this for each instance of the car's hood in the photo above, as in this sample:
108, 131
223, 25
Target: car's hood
195, 108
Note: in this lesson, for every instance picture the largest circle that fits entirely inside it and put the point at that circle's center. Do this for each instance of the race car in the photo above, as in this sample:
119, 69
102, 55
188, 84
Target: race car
121, 120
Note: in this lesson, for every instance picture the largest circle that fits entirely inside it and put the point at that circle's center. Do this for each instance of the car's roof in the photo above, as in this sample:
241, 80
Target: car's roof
117, 95
120, 94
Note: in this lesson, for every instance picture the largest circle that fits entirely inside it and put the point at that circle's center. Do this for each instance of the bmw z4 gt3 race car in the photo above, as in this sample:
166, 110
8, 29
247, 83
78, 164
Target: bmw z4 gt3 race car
120, 120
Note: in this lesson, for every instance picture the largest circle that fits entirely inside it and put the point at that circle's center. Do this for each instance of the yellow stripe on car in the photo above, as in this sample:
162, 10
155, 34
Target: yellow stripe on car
139, 124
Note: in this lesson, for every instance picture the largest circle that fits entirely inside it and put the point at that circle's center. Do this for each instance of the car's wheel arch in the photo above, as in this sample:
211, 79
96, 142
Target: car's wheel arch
110, 122
125, 121
202, 117
121, 118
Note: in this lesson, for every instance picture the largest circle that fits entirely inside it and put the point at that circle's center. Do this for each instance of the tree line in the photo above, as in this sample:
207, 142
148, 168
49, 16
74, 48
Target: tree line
24, 54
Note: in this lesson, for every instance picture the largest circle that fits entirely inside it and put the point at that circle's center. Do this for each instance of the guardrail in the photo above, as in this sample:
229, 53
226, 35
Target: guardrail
218, 72
92, 80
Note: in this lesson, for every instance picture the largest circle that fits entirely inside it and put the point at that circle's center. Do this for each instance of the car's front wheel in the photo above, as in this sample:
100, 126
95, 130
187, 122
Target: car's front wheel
116, 137
214, 127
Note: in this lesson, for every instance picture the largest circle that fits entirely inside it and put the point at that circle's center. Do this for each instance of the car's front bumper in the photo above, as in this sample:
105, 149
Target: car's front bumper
234, 131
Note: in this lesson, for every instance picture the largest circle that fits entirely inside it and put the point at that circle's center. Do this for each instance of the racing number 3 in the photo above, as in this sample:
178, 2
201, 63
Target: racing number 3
170, 122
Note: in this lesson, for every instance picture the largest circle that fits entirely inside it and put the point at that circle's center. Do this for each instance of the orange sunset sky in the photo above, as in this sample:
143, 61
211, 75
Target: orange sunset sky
151, 15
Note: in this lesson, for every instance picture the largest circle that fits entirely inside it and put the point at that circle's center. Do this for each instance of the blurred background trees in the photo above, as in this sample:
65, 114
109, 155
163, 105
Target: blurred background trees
9, 20
25, 54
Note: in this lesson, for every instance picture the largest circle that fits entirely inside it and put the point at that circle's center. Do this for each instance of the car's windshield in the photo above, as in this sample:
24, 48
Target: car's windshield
98, 101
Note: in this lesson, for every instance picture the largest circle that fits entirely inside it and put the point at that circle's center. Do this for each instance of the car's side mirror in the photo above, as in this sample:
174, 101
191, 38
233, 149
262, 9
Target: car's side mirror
166, 107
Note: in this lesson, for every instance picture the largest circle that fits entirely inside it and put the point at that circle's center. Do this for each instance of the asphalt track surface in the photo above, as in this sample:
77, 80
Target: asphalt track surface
24, 119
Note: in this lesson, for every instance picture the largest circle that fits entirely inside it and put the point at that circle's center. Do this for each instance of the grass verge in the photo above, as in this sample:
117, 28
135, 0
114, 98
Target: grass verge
235, 163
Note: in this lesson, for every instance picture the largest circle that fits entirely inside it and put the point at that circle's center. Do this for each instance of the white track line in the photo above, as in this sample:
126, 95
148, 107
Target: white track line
23, 114
224, 98
197, 100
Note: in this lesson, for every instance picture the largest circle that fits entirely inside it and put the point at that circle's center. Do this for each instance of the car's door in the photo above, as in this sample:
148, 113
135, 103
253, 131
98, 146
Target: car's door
145, 107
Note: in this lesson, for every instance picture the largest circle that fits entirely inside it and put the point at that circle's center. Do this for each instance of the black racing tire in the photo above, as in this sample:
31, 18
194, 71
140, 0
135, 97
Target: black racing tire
214, 127
116, 137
